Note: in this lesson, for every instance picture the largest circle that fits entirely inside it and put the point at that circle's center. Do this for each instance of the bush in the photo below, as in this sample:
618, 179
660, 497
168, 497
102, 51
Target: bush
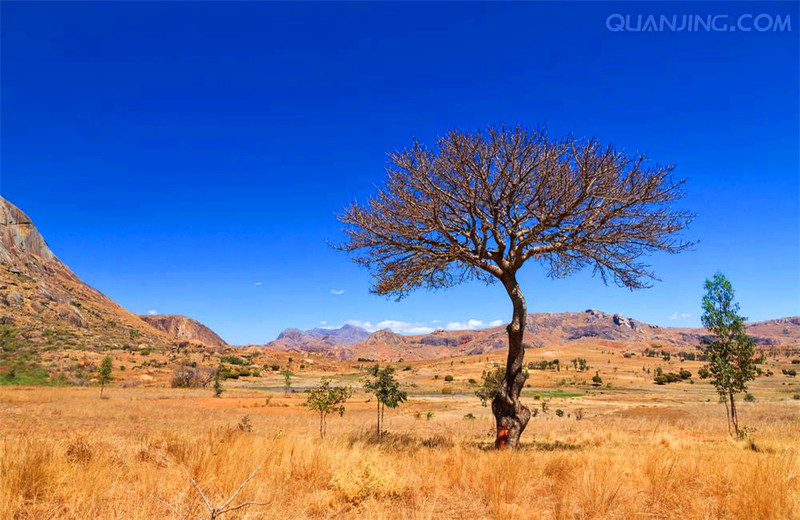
448, 378
469, 417
560, 412
189, 377
233, 360
789, 372
796, 397
750, 398
662, 378
472, 381
447, 390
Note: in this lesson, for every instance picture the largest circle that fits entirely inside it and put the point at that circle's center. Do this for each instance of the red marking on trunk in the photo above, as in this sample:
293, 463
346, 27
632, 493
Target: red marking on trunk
502, 438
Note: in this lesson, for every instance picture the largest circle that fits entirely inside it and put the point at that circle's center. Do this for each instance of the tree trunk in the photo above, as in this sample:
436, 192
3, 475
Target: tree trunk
724, 400
734, 417
378, 401
510, 415
321, 425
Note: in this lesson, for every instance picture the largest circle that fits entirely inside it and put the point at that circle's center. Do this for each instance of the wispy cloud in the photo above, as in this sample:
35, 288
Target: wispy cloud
675, 315
401, 327
426, 327
258, 283
337, 292
152, 312
472, 324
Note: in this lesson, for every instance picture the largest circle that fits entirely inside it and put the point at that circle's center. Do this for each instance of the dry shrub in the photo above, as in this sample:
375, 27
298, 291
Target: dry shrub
365, 476
79, 451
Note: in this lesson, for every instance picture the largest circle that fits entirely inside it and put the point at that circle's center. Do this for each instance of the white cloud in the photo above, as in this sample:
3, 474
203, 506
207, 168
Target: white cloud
337, 292
152, 312
686, 315
675, 315
472, 324
401, 327
323, 323
422, 327
258, 283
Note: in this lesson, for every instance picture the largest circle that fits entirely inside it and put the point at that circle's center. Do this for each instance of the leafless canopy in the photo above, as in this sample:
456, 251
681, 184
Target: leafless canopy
483, 203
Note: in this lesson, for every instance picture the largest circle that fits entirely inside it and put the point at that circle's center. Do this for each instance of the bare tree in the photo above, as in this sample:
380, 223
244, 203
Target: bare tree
226, 507
482, 204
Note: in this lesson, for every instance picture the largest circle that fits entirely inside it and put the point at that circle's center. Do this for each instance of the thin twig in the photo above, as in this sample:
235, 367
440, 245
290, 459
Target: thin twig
174, 510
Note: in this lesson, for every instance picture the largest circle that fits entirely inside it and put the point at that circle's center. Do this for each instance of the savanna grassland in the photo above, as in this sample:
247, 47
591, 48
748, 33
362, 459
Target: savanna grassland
626, 448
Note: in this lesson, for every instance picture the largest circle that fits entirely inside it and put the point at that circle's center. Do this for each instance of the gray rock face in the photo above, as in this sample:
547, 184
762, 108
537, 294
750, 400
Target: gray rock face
19, 237
13, 299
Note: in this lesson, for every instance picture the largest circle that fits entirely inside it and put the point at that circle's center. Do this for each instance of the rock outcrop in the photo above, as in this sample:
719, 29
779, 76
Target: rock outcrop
185, 329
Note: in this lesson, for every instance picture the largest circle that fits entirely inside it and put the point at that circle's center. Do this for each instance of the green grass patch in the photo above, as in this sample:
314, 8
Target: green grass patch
556, 394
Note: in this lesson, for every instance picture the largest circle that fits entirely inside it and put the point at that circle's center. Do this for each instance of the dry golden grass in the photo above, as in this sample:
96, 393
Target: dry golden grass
65, 453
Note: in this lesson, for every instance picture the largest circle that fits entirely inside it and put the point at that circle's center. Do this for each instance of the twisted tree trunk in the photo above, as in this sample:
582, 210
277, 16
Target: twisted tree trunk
510, 415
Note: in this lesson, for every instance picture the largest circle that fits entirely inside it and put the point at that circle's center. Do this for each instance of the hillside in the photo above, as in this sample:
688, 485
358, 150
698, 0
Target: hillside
45, 309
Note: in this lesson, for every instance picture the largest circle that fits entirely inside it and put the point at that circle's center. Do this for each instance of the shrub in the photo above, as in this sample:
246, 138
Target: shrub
469, 417
448, 378
245, 425
750, 398
560, 412
663, 378
796, 397
789, 372
472, 381
429, 416
447, 390
188, 377
233, 360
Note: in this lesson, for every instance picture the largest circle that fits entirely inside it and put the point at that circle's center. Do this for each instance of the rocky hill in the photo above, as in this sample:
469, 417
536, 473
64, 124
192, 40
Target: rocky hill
184, 328
45, 309
43, 297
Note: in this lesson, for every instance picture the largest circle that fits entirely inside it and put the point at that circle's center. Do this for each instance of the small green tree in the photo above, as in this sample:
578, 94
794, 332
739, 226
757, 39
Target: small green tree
287, 380
218, 388
105, 373
596, 379
382, 383
326, 399
490, 384
730, 351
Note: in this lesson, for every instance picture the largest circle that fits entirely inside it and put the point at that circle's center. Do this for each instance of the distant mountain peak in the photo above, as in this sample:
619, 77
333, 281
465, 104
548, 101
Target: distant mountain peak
345, 335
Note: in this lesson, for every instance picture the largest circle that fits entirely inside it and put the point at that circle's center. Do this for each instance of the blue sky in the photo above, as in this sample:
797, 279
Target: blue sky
189, 157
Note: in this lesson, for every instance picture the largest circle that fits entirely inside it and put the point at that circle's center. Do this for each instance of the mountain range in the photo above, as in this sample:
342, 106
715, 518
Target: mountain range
542, 330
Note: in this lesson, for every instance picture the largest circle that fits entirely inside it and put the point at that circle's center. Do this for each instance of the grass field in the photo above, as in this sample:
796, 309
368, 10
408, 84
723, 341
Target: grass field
639, 450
